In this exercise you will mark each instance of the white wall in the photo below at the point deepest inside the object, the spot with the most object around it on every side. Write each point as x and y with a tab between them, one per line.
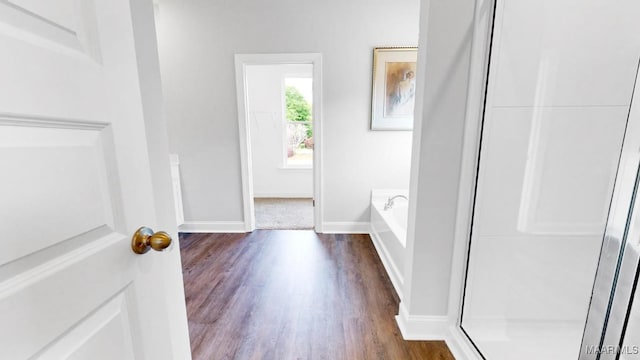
265	103
443	68
198	40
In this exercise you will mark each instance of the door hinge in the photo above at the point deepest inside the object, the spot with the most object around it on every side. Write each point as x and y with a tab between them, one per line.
313	202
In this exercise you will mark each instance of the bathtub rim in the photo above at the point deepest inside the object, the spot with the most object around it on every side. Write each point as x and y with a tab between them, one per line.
388	215
394	271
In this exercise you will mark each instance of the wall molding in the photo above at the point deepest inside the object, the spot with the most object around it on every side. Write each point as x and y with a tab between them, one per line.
212	227
422	327
417	327
345	227
397	278
460	346
39	121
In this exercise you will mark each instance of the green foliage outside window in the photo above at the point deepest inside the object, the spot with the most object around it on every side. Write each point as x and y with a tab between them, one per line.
298	108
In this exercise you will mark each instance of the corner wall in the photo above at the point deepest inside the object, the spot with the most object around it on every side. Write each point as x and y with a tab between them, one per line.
197	42
446	33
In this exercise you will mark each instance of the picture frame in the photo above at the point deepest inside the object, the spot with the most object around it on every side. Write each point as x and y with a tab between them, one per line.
393	88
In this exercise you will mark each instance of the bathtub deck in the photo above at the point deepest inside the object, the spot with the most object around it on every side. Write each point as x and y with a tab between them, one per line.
389	240
275	294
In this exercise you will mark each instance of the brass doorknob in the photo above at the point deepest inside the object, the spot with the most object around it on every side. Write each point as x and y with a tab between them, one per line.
145	239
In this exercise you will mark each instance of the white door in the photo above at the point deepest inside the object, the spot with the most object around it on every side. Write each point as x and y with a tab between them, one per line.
83	164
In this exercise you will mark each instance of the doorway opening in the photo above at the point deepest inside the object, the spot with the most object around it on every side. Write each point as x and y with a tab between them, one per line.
279	107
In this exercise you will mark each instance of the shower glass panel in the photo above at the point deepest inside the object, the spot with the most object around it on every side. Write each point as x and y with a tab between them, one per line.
560	82
630	349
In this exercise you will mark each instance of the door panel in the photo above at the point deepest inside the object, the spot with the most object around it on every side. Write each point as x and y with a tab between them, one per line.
66	24
71	159
44	302
60	13
104	334
76	184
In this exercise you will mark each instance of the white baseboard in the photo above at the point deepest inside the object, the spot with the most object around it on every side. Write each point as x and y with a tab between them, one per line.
346	227
420	327
415	327
397	279
460	347
212	227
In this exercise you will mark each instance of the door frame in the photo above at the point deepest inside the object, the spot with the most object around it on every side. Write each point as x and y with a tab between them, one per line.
457	340
241	62
615	280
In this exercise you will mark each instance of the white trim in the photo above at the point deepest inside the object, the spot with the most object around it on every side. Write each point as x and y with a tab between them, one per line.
317	141
345	227
414	327
38	121
284	153
416	152
241	61
396	276
245	148
212	227
456	339
460	346
98	239
283	196
436	328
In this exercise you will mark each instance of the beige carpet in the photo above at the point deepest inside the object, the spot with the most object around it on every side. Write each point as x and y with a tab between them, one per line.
279	213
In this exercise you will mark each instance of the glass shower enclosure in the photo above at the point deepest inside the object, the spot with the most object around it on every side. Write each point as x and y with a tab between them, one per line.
557	179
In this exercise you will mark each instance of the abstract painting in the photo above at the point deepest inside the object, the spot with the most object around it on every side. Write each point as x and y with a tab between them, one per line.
394	87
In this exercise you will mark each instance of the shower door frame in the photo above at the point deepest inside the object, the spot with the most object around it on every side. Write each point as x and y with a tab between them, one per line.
604	285
457	340
617	274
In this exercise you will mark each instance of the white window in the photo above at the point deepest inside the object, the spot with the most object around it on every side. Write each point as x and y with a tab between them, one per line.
298	106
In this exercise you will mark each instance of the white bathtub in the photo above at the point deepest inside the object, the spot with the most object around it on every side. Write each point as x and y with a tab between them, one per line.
389	233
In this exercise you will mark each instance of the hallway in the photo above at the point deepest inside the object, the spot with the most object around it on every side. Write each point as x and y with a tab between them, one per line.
275	294
284	213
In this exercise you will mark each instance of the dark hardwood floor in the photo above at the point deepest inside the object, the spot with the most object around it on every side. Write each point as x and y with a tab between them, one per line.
285	294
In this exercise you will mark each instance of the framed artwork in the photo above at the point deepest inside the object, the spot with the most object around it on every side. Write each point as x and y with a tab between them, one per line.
394	88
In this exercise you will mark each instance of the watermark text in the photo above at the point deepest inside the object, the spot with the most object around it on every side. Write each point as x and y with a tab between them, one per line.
613	349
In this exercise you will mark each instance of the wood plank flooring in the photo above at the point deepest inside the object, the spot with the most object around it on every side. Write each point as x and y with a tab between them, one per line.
286	294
